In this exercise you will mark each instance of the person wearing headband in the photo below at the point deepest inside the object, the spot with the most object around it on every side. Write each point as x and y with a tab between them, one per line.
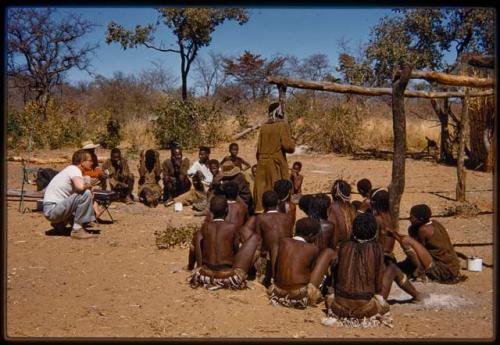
341	212
285	205
274	142
362	281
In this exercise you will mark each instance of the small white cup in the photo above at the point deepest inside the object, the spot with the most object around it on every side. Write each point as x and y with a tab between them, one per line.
178	207
474	264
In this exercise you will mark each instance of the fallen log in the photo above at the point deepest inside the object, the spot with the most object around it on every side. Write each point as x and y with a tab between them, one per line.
366	91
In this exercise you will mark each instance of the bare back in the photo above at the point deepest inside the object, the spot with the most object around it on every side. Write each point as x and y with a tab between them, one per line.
341	215
288	208
237	213
219	242
272	227
384	222
294	263
326	236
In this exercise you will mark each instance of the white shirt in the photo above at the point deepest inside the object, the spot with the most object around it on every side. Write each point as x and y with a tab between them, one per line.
197	166
61	186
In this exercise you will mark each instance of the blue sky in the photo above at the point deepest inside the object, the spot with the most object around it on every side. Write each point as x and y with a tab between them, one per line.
297	31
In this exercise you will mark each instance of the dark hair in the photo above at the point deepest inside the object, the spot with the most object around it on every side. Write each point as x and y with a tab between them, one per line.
270	199
343	187
282	188
422	212
175	147
218	206
364	186
297	163
380	201
364	227
318	207
305	203
233	145
115	150
78	157
307	227
231	190
205	149
213	161
357	204
150	159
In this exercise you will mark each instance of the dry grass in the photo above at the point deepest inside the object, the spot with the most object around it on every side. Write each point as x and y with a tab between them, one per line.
377	133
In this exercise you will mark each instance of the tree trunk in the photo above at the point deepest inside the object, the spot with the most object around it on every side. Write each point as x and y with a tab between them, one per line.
184	85
445	155
282	96
397	185
463	125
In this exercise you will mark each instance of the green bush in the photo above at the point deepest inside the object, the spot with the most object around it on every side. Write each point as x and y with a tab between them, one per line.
112	137
55	131
190	123
327	127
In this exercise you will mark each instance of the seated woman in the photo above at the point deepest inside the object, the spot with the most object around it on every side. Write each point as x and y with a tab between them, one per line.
150	191
428	248
361	280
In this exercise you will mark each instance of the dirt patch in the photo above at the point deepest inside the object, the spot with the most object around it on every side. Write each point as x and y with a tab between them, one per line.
122	285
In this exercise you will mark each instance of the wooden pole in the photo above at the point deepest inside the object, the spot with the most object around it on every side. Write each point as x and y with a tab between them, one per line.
365	91
454	80
461	174
282	96
397	185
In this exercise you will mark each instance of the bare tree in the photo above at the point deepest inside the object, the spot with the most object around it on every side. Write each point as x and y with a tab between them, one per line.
210	72
41	50
157	77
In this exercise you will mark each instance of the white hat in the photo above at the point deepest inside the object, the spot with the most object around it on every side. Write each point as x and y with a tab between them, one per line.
88	145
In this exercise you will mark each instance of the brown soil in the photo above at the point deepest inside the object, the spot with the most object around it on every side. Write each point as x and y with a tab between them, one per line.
122	285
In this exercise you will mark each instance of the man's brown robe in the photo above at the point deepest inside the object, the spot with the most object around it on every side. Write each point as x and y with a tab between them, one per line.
274	142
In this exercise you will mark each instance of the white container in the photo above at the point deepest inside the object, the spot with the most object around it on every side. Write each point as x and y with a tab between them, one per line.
178	207
474	264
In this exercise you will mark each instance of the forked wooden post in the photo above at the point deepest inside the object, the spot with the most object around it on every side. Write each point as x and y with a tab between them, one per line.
282	96
463	126
397	184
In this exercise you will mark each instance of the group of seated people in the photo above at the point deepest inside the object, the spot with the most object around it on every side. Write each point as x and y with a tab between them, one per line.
340	253
190	184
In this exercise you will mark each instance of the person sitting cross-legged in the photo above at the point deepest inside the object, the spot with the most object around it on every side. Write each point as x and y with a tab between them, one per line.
220	261
120	178
362	281
301	267
271	226
150	191
68	197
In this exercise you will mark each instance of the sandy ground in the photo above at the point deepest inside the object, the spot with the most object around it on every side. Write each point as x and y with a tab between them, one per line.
122	285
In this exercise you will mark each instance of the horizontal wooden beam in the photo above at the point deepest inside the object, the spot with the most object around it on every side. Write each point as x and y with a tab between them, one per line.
453	80
365	91
483	61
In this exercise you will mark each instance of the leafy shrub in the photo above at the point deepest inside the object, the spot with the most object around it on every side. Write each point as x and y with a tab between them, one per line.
190	123
327	127
112	137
